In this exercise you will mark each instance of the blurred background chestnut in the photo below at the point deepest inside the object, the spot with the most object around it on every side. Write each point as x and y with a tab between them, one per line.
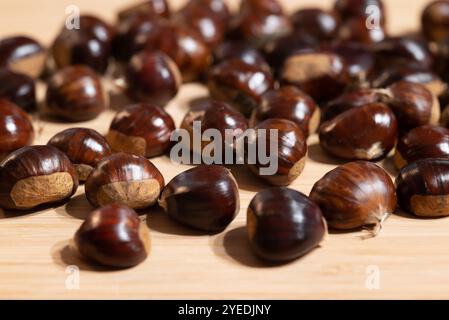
18	88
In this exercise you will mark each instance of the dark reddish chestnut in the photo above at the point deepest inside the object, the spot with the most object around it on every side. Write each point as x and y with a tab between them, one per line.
355	195
356	30
84	147
147	7
240	50
360	9
422	143
204	198
18	88
153	78
322	25
217	8
23	55
435	21
36	175
363	133
289	103
284	224
125	179
16	130
141	129
240	84
114	236
286	149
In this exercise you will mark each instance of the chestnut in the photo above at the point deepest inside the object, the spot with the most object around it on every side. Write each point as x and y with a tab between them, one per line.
205	198
84	147
355	195
217	8
36	175
152	78
422	188
240	50
421	143
356	30
141	129
434	21
284	224
363	133
322	25
75	93
16	129
312	72
18	88
147	7
125	179
240	84
23	55
348	9
288	103
290	151
113	236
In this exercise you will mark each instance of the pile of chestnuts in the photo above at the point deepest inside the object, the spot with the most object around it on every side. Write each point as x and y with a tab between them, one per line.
367	95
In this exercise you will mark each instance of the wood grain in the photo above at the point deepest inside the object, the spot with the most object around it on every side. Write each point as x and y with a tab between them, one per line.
411	255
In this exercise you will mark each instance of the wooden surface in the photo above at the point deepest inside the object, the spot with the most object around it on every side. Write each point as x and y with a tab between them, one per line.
409	259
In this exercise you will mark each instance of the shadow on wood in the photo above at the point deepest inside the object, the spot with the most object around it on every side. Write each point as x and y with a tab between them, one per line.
246	180
317	154
78	207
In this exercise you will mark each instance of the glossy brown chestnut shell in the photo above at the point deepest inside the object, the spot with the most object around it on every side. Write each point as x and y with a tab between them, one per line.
75	93
435	21
364	133
217	8
289	147
141	129
284	224
320	24
113	236
421	143
36	175
288	103
240	84
204	198
358	9
84	147
152	78
147	7
354	195
240	50
355	30
125	179
18	88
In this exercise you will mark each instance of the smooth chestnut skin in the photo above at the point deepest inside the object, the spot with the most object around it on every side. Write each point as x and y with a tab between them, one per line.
16	129
152	77
288	103
75	94
113	236
141	129
217	8
240	50
240	84
18	88
291	151
355	195
125	179
364	133
358	8
322	25
23	55
147	7
435	21
204	198
355	30
284	224
422	143
312	72
84	147
34	176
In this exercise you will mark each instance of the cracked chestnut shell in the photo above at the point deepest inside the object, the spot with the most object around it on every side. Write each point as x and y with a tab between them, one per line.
354	195
364	133
147	7
289	147
320	24
75	94
240	84
284	224
141	129
125	179
204	198
421	143
36	175
18	88
288	103
84	147
113	236
434	22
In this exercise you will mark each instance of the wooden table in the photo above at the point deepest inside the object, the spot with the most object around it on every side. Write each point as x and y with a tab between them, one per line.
410	259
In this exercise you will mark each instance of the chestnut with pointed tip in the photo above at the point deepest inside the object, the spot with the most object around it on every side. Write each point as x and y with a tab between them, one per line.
18	88
355	195
284	224
147	7
363	133
113	236
434	21
34	176
141	129
84	147
204	198
126	179
423	188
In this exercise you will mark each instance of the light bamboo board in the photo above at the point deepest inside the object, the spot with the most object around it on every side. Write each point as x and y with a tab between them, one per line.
409	259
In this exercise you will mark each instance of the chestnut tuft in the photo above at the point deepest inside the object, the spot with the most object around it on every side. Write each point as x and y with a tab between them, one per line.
18	88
